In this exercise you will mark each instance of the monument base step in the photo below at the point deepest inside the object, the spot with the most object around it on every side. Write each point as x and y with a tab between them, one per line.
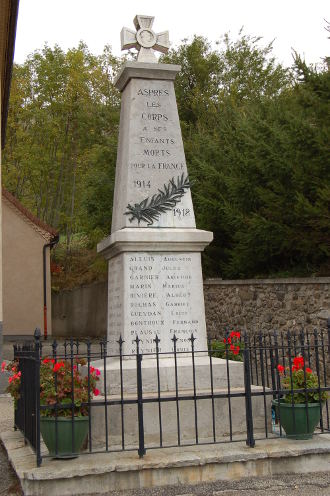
167	381
106	472
167	413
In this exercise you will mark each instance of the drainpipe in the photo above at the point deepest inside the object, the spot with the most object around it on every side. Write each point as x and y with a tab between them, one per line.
44	251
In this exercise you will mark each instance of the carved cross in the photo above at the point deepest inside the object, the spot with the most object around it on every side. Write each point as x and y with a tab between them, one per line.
145	40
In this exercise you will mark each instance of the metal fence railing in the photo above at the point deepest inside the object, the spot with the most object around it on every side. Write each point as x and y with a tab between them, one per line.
183	399
27	411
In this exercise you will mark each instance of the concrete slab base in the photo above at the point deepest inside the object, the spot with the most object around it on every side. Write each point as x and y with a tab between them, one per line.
103	473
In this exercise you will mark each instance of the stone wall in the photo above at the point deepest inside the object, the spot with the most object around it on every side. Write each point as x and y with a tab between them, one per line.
253	304
267	304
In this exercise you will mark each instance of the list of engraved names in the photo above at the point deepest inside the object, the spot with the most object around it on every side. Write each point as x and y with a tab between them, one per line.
160	300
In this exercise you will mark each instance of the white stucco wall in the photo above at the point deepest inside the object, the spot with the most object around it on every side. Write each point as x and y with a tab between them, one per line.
23	275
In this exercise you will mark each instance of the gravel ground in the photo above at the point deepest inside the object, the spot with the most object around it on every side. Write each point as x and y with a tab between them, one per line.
9	484
286	485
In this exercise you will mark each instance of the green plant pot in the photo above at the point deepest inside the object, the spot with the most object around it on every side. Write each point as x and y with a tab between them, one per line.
64	435
298	427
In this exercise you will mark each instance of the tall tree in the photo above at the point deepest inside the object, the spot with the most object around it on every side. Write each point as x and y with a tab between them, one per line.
62	105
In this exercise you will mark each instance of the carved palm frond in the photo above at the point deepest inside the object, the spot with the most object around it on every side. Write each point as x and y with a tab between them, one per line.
150	209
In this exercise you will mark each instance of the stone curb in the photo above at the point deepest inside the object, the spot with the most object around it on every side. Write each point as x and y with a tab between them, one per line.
195	464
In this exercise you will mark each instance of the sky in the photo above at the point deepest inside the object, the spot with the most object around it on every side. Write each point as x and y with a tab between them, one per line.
297	24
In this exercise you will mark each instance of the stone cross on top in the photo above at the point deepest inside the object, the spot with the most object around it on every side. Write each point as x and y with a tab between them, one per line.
145	40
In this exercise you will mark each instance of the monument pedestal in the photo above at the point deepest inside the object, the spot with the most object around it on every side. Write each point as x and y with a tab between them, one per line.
155	288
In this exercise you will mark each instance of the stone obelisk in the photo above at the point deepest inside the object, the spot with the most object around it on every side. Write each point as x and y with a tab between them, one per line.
154	250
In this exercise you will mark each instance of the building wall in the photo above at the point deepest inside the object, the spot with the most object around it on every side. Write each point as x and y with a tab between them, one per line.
23	275
252	304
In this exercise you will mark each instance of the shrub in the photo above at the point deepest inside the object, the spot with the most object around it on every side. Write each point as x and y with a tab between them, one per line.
301	377
230	347
57	382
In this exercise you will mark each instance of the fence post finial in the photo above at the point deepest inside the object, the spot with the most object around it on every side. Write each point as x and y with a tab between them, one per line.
37	333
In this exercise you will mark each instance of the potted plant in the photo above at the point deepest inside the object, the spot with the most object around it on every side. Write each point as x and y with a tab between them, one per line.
299	412
14	380
57	383
230	347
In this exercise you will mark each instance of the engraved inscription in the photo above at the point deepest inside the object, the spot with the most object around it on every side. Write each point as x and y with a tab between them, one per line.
157	157
115	304
160	301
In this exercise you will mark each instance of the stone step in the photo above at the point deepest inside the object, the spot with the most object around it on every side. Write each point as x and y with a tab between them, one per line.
106	472
169	417
167	380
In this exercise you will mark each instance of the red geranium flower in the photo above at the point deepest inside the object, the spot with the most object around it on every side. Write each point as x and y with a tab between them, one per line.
235	334
298	363
96	392
281	369
58	366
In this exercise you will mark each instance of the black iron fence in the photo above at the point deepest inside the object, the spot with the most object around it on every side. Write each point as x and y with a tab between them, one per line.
239	388
27	409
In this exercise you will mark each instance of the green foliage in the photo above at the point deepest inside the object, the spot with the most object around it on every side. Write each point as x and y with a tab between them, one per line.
297	381
64	109
298	378
219	351
230	348
81	266
257	153
68	380
14	379
256	137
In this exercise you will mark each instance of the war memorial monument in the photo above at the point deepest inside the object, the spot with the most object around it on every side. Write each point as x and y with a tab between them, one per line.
155	285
